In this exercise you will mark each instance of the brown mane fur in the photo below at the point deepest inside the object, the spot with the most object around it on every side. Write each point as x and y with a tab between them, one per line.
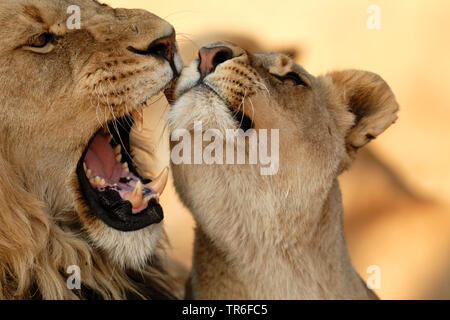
49	110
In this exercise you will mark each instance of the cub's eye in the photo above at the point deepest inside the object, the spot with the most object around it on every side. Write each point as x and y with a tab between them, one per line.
291	79
41	40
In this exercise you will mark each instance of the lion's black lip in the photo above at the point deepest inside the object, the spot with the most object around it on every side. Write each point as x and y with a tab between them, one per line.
108	206
244	121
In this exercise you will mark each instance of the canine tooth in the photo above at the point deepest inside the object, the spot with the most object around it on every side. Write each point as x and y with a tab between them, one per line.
88	173
125	167
135	197
119	158
109	138
138	119
158	184
118	149
138	188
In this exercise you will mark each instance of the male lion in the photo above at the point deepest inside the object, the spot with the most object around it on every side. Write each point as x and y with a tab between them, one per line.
70	192
277	236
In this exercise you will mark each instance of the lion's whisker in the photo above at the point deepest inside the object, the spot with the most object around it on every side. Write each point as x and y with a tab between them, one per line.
97	107
178	13
253	109
243	107
187	39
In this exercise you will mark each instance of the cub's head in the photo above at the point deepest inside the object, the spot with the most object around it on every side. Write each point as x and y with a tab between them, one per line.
75	76
314	126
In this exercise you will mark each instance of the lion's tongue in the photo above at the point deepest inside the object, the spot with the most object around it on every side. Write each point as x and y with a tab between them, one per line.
105	172
100	157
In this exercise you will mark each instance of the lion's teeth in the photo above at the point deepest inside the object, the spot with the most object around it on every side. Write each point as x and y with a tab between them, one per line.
109	138
119	158
158	184
87	171
125	167
138	119
118	149
135	197
97	181
138	188
100	181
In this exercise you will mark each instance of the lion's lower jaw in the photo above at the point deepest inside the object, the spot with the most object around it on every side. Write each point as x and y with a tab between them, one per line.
127	250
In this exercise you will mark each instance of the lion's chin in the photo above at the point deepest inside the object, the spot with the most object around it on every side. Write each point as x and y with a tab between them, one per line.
110	186
128	250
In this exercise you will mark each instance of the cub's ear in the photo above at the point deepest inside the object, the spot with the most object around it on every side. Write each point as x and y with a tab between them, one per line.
371	101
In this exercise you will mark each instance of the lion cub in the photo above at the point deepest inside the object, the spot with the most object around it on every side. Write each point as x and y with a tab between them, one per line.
271	229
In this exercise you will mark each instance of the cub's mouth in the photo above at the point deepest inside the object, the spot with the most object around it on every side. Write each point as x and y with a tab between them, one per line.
245	122
110	185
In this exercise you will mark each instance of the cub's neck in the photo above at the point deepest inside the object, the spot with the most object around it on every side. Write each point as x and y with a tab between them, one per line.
276	251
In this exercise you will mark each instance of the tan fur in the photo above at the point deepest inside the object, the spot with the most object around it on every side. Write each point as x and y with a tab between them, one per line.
281	236
51	105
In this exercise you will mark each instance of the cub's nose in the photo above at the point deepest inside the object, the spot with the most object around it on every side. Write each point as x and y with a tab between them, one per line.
210	58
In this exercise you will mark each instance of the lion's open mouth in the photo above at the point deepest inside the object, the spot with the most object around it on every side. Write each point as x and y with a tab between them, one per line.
110	184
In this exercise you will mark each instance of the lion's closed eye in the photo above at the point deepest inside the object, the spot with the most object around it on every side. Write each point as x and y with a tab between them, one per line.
292	79
41	43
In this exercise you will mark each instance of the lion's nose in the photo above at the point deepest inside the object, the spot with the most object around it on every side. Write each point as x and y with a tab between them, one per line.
210	58
164	47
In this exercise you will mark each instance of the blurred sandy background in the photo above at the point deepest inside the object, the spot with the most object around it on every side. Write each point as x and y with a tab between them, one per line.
397	197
